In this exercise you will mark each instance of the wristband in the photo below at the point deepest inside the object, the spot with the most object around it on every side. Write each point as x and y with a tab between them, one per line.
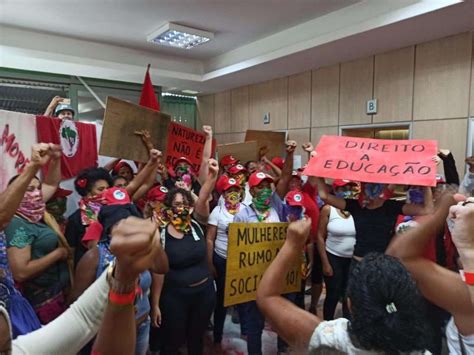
122	299
469	278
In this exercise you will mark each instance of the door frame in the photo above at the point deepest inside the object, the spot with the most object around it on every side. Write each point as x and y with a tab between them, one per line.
408	124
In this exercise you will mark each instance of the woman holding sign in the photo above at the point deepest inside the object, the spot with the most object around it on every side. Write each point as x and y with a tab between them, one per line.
374	216
217	238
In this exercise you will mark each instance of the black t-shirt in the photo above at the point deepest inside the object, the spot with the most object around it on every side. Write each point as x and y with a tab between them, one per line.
374	227
187	259
74	232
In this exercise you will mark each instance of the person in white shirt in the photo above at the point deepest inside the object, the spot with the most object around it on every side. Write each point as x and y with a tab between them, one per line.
217	238
383	300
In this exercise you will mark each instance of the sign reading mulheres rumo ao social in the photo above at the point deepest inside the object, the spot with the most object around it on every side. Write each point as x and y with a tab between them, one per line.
251	249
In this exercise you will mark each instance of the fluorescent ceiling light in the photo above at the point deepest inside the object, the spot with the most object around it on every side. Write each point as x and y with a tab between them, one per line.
174	35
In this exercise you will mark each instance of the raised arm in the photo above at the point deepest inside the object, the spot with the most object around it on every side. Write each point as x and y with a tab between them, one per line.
53	178
136	244
286	173
206	155
327	197
292	323
440	286
144	174
12	196
52	106
111	164
201	208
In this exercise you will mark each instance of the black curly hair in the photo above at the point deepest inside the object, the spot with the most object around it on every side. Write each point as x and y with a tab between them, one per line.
375	282
88	177
188	198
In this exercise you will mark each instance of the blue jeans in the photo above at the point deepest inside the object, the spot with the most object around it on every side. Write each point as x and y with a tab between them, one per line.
220	311
143	336
252	322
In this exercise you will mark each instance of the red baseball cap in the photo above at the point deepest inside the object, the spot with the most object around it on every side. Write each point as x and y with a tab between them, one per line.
278	161
237	169
116	196
225	183
157	193
340	183
258	177
120	165
294	198
182	159
228	160
61	193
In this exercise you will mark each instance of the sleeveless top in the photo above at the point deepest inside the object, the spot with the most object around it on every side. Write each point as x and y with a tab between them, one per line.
341	235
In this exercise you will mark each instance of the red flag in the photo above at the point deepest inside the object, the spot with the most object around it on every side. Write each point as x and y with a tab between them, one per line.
148	97
77	140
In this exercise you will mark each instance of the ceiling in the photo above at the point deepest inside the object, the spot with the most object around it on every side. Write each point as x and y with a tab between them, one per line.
255	40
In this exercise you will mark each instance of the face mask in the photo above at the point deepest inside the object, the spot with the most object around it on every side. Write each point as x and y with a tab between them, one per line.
293	213
182	170
232	201
240	179
160	216
32	206
415	196
180	218
344	194
372	191
90	208
262	199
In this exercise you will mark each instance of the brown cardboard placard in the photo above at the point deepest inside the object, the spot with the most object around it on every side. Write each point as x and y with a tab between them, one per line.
121	120
273	141
245	151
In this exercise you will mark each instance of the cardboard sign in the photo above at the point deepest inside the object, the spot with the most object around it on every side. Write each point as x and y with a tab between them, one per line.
407	162
184	142
17	135
244	152
251	249
121	120
273	142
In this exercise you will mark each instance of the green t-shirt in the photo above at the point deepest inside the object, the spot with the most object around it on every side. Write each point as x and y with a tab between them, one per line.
43	240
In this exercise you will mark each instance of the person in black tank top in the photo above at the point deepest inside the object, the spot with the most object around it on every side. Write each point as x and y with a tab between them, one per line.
184	298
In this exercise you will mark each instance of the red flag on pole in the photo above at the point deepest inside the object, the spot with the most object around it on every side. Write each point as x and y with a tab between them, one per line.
148	97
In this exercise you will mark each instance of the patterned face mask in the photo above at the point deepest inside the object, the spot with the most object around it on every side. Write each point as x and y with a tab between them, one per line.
180	218
182	170
32	207
160	215
372	191
232	201
262	199
344	194
90	208
293	213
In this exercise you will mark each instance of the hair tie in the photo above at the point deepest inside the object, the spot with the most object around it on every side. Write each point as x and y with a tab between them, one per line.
391	308
82	182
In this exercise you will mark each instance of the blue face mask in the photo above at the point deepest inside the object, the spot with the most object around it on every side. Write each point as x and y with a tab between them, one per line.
416	196
372	191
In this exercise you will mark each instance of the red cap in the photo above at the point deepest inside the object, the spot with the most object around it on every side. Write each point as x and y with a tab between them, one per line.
120	165
61	193
158	193
237	169
228	160
225	183
278	161
116	196
257	177
294	198
340	183
182	159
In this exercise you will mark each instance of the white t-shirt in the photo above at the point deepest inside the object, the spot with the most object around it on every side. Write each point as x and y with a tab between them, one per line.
341	235
452	337
332	337
221	218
